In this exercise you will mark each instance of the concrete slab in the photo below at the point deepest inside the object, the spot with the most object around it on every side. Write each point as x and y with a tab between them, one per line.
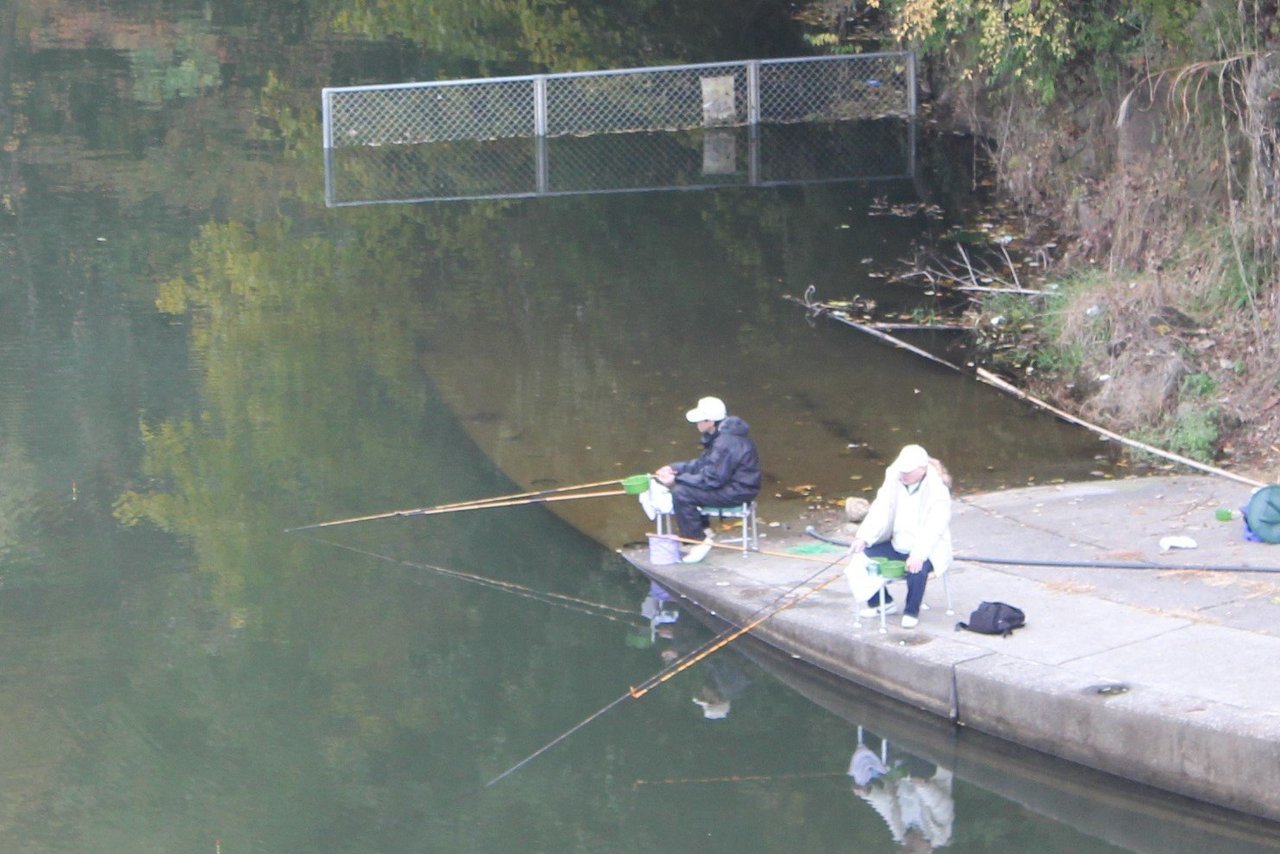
1058	617
1155	675
1211	662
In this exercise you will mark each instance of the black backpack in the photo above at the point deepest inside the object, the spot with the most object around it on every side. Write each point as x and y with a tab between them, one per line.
994	618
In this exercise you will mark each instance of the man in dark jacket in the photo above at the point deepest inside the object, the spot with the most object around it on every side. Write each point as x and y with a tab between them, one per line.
727	472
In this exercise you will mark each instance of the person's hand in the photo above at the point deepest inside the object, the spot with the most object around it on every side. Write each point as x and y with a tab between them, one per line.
665	475
856	546
915	564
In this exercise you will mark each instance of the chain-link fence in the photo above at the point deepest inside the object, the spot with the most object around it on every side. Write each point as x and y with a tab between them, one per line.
677	97
760	156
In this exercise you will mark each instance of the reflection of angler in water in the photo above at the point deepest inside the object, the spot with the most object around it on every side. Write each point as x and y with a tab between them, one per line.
659	609
913	796
726	680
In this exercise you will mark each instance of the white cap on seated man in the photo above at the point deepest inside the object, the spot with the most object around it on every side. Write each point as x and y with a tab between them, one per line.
726	473
708	409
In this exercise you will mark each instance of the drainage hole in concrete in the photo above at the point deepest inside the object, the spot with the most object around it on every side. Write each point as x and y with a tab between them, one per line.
1109	690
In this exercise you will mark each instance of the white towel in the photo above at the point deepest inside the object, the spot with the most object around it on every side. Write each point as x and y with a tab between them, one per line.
656	499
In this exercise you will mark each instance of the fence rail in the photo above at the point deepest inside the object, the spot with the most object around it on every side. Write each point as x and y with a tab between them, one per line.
663	98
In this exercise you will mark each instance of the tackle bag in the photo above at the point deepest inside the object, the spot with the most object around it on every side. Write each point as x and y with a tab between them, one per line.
994	618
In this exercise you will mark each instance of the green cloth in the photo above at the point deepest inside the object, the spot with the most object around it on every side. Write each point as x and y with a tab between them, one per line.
815	549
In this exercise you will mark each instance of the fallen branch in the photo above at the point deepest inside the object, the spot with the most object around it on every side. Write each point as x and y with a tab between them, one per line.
991	379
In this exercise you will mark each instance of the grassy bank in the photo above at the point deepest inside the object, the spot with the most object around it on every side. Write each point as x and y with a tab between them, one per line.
1144	140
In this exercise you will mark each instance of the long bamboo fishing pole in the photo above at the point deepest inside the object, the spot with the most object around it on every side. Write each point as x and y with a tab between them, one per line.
740	778
667	673
531	494
1081	564
547	597
479	504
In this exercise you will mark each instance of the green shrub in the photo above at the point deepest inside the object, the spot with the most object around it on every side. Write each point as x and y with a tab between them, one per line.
1193	431
1198	385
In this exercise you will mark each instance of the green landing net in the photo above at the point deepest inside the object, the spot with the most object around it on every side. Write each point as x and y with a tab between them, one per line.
635	484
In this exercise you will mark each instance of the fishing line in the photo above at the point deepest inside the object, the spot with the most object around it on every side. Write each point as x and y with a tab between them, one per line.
739	778
667	673
1080	564
571	603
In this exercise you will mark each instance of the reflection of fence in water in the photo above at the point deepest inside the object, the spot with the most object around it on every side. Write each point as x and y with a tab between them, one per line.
678	97
682	160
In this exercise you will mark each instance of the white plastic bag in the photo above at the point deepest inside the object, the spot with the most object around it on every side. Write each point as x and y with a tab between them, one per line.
656	499
1167	543
863	583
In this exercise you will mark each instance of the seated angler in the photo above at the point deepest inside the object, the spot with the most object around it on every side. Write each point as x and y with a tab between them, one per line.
910	521
727	473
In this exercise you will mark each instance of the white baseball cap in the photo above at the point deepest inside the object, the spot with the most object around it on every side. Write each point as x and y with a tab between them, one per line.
708	409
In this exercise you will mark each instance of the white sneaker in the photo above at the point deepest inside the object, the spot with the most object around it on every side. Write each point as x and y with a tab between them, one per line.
698	552
909	622
874	610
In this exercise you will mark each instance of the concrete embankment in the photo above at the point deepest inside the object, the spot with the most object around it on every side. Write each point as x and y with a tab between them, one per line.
1160	675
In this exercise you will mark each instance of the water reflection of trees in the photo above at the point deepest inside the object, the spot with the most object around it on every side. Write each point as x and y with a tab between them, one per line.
229	682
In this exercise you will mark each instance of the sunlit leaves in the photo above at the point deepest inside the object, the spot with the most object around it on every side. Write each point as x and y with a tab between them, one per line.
550	33
1027	40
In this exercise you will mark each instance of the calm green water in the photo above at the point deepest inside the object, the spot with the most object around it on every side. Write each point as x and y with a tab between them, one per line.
195	354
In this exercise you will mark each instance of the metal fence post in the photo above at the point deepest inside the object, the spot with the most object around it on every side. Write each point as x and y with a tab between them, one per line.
753	92
911	83
911	148
540	164
326	109
540	105
328	173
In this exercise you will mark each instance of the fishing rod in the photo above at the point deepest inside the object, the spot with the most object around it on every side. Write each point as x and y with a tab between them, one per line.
718	642
1079	564
571	603
633	485
738	548
740	778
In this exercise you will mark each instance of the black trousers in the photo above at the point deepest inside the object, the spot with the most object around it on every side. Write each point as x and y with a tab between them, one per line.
686	500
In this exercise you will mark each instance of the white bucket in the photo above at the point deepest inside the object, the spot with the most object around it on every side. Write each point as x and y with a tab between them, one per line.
663	550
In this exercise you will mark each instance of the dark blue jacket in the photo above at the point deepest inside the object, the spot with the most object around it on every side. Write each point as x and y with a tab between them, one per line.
729	463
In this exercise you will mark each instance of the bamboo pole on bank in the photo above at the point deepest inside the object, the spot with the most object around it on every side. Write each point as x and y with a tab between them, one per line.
994	381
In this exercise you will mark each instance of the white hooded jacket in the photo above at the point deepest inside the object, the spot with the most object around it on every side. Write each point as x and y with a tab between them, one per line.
916	519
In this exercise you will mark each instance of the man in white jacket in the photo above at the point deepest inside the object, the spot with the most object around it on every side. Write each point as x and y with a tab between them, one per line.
910	521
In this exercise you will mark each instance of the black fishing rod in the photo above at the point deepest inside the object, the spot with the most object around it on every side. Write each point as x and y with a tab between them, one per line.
1080	564
716	643
571	603
740	778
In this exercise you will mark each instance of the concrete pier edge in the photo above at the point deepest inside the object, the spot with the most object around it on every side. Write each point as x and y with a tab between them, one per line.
1161	678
